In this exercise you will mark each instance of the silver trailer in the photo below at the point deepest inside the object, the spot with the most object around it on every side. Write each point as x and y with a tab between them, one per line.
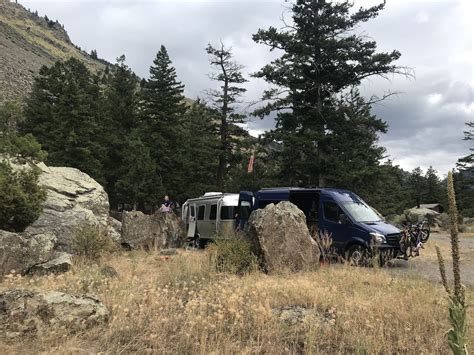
209	216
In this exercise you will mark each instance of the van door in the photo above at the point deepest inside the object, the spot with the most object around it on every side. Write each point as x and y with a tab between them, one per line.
244	208
191	219
332	224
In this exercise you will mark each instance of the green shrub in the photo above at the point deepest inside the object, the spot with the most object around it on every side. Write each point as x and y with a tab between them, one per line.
20	197
232	255
92	243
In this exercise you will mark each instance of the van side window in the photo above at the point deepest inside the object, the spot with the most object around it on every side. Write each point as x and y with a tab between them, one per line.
213	213
201	212
331	211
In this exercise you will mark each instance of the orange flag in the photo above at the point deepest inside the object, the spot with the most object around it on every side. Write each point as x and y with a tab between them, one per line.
251	161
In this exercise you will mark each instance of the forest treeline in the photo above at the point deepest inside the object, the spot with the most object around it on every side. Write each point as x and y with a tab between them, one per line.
142	138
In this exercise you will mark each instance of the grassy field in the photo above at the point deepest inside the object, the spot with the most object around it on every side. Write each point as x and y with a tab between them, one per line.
180	305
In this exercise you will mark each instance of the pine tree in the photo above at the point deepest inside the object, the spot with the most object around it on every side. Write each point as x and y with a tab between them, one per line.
120	118
467	162
352	143
62	112
137	181
434	190
162	109
10	115
322	57
465	177
229	74
202	143
417	186
21	197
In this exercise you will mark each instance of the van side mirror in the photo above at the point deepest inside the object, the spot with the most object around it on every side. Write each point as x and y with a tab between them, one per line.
343	218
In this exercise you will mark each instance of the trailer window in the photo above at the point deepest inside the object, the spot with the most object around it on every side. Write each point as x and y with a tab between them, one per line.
201	212
227	212
213	212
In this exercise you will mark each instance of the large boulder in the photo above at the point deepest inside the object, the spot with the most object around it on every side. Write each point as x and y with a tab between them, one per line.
26	313
21	252
74	200
281	238
60	262
414	215
156	231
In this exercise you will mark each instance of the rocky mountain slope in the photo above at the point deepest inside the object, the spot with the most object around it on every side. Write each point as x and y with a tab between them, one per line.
27	42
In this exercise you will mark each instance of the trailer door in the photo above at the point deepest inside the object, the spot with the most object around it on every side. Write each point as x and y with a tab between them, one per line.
244	208
191	220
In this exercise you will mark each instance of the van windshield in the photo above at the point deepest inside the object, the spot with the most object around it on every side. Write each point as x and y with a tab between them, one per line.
361	212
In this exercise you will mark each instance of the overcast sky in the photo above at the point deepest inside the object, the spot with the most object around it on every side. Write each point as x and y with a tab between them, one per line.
435	38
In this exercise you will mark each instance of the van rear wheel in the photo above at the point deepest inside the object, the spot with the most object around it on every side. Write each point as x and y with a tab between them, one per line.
357	255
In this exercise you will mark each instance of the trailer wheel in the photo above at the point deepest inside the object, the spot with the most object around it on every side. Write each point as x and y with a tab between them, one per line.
199	243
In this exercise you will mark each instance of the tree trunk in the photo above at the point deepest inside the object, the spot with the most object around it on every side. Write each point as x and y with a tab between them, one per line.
221	172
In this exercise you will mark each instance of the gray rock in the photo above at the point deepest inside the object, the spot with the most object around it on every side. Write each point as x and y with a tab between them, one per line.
114	229
157	231
20	252
109	271
414	215
74	200
294	315
26	313
168	252
281	238
61	262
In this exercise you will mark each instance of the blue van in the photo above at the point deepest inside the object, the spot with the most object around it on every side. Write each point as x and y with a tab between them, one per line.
352	223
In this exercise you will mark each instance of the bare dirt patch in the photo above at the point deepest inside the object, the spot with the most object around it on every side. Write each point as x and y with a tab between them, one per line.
426	265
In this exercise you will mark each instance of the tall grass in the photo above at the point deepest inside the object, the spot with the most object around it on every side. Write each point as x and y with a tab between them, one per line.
183	305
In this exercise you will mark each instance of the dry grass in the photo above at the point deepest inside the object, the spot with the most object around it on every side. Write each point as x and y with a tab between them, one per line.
182	306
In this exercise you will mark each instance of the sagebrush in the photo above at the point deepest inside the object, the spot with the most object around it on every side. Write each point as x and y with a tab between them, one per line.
92	243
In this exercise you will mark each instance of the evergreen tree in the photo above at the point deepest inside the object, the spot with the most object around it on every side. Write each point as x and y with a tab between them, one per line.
352	142
94	54
434	189
119	120
137	180
10	115
228	74
21	197
417	186
163	108
322	57
62	112
467	162
387	190
464	179
202	143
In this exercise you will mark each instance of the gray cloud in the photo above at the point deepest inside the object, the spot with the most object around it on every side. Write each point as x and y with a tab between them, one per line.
435	38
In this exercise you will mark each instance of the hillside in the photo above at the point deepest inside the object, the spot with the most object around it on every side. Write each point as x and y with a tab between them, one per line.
27	42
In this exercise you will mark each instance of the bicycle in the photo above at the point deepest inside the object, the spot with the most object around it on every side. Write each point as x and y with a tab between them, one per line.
413	237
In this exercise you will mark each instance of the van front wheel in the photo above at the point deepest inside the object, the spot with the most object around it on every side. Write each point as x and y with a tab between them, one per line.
357	255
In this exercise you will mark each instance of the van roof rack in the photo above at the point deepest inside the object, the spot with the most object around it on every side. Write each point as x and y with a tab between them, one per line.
212	193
